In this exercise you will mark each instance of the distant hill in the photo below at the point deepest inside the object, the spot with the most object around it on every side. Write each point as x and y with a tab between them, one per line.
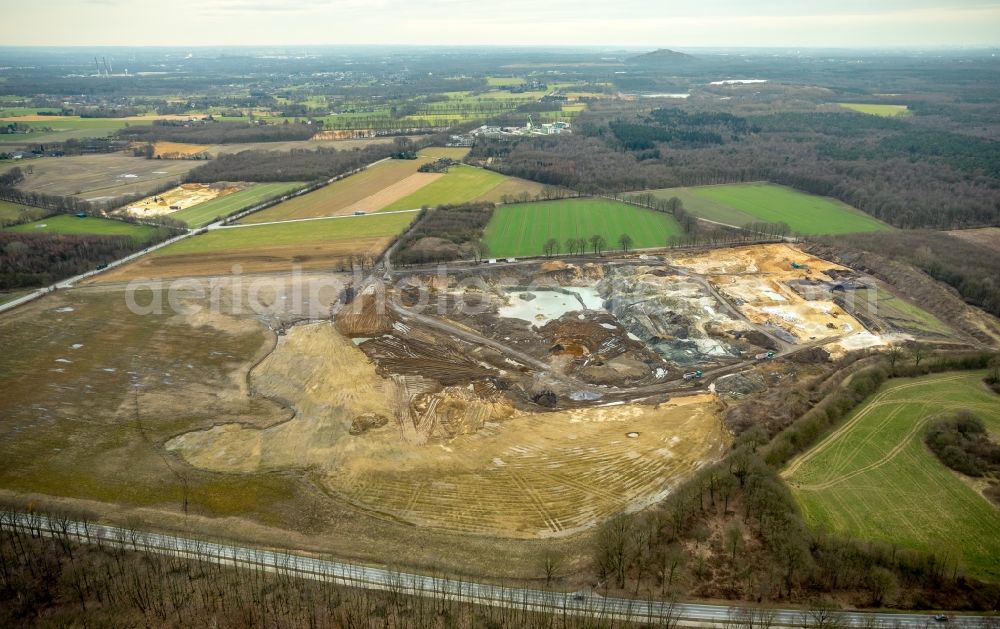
663	55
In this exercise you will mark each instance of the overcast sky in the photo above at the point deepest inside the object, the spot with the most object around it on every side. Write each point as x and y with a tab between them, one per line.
645	23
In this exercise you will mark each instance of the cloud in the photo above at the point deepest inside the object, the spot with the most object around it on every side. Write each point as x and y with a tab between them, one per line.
707	23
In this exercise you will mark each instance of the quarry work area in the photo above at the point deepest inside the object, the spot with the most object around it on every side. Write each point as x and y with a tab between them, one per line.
180	198
531	399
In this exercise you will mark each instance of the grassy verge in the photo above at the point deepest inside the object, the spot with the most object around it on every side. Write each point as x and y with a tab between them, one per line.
10	212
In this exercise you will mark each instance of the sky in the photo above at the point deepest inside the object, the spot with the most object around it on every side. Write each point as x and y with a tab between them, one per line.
632	23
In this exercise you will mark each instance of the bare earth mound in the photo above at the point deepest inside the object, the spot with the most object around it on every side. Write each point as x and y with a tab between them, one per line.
454	460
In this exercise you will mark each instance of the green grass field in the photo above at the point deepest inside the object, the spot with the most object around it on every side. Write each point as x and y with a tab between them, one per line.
878	110
204	213
523	229
460	185
294	233
739	204
501	81
875	479
69	224
16	211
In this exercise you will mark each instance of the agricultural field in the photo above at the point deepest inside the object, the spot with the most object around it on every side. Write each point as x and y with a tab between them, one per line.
368	191
878	110
523	229
61	128
102	176
503	81
204	213
875	479
311	244
69	409
515	188
10	212
739	204
460	184
70	224
457	153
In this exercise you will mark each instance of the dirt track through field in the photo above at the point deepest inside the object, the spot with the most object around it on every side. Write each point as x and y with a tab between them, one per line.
833	437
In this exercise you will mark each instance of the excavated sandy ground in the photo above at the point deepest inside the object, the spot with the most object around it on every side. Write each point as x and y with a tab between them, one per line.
755	280
177	150
179	198
774	260
458	463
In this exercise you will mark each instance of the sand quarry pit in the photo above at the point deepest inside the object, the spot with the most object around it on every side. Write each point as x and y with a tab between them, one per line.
455	458
180	198
757	280
178	150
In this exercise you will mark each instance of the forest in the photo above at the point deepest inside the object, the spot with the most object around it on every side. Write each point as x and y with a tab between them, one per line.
962	443
294	165
29	260
56	581
445	233
215	132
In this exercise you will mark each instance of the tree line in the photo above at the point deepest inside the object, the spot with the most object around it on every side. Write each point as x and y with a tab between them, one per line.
294	165
30	260
216	132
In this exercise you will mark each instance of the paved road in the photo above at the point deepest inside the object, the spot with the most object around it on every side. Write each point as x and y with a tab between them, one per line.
367	577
